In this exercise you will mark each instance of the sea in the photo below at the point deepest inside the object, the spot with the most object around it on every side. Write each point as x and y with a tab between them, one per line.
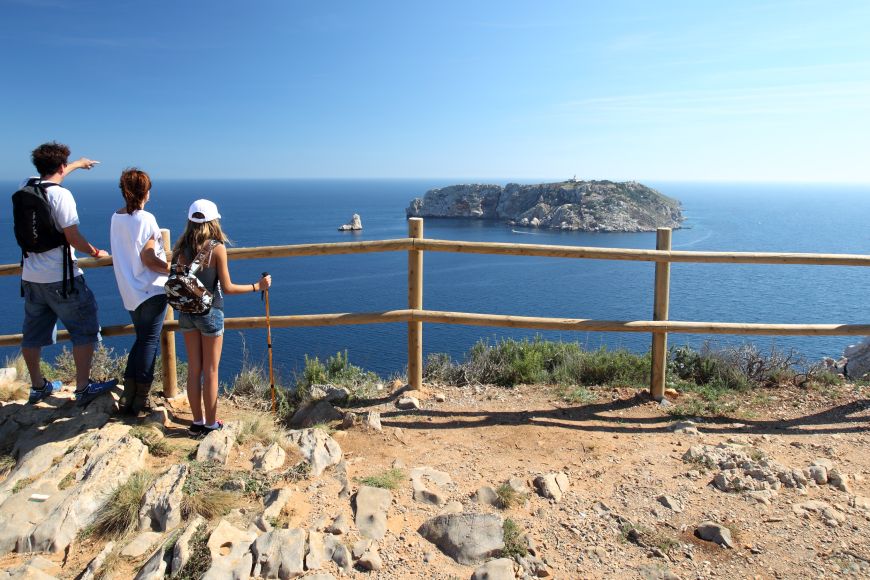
766	217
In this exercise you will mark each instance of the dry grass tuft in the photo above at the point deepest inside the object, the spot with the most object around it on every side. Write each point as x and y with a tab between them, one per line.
120	513
14	392
210	505
262	428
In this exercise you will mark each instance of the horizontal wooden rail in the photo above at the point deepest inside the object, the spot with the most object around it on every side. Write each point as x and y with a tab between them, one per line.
497	248
505	321
550	251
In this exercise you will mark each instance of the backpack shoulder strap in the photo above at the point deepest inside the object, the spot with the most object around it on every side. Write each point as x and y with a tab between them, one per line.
204	256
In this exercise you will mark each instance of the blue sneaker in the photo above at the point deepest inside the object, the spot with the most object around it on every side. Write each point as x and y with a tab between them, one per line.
93	390
47	389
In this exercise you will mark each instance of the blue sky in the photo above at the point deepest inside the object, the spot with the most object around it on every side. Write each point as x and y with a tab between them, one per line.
695	90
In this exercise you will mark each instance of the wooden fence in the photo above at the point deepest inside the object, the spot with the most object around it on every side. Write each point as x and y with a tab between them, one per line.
414	315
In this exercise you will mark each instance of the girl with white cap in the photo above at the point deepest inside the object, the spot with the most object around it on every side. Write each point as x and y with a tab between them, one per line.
203	333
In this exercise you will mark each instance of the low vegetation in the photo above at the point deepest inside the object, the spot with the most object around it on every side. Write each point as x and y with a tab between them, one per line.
510	362
202	493
389	479
7	464
200	557
508	497
153	439
120	514
513	540
338	371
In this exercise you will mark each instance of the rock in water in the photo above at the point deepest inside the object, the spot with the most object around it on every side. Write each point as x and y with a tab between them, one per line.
594	206
354	224
467	538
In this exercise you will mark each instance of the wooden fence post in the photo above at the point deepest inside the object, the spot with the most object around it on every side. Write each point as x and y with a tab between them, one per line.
415	302
660	312
167	342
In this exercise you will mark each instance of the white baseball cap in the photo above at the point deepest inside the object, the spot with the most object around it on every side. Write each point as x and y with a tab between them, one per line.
205	208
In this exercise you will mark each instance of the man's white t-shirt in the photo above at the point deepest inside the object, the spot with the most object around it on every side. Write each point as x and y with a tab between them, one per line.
129	234
46	267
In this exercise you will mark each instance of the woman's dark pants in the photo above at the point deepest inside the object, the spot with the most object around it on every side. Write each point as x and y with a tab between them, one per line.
148	322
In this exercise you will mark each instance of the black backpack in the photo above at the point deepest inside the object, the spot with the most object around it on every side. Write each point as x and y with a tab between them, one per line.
34	226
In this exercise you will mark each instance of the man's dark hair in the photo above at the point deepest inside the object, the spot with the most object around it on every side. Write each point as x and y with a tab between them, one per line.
49	157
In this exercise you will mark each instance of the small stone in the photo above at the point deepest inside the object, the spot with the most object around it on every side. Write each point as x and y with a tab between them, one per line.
498	569
670	503
339	525
408	403
819	474
713	532
373	421
440	397
371	560
485	495
838	481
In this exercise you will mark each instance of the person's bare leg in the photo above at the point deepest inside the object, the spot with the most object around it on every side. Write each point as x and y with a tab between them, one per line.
193	345
83	355
211	359
31	359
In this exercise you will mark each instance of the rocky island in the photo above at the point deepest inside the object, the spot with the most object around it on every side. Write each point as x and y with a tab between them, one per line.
591	206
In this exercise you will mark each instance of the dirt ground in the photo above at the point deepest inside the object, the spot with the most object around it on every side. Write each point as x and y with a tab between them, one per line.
620	454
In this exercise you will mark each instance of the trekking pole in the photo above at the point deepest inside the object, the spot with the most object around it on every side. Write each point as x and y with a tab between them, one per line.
264	295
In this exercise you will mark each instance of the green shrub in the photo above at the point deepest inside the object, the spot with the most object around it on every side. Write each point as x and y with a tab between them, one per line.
338	371
513	540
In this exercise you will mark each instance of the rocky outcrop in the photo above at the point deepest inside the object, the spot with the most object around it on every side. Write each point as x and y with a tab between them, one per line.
592	206
468	538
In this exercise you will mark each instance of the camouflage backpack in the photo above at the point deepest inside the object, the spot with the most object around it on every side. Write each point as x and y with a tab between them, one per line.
184	291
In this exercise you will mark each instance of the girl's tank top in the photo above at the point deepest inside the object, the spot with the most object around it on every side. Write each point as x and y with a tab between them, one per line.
207	274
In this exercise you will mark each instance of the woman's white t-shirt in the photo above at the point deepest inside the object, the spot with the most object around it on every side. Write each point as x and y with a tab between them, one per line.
129	234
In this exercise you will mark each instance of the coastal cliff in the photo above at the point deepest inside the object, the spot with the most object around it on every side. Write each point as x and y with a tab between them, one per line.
592	206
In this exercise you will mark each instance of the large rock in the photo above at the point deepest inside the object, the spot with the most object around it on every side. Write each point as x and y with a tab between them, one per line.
161	506
314	413
569	205
231	557
279	554
182	550
468	538
155	567
857	359
217	445
317	447
97	478
272	457
94	565
372	504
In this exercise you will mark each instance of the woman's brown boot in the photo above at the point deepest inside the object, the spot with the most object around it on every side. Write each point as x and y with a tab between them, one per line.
141	402
125	403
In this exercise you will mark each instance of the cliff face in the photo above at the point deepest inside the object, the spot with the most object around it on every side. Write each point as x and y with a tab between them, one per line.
593	206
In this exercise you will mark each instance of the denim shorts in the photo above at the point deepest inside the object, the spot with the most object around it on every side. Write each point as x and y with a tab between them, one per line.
210	324
44	304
